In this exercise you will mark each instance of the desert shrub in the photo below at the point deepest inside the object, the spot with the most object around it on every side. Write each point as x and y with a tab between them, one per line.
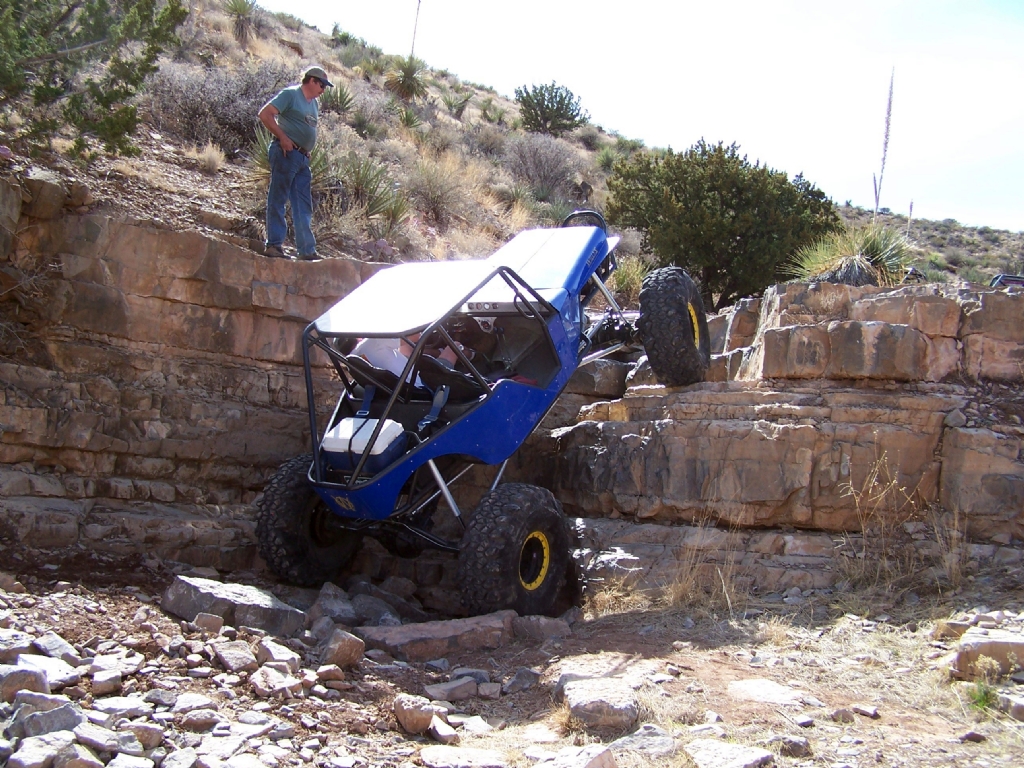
201	105
437	187
552	109
546	164
490	112
487	140
290	22
589	136
405	79
626	146
707	210
628	277
365	125
338	99
440	139
973	275
872	255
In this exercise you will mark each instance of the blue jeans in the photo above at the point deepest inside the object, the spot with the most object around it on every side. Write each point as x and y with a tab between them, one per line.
290	181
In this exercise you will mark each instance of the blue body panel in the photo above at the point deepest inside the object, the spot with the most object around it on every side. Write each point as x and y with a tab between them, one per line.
493	430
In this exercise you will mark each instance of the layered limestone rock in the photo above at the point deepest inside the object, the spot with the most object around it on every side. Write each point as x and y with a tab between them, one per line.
162	384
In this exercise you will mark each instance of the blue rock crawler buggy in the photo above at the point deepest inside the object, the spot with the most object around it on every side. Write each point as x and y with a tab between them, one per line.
396	442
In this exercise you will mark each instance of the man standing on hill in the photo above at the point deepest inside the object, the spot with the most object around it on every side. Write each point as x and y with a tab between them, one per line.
291	117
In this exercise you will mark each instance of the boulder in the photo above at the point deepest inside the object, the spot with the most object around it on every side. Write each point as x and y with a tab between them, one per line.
238	604
47	191
433	639
602	702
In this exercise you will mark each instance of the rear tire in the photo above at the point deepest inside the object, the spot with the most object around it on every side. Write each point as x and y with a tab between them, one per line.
292	533
674	327
515	552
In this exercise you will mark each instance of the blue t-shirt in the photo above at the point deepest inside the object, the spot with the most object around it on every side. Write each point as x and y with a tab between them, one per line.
296	116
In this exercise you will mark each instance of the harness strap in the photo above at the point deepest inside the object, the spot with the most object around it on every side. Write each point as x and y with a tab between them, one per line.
440	399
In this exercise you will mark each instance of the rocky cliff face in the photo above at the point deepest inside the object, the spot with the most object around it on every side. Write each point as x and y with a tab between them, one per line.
157	382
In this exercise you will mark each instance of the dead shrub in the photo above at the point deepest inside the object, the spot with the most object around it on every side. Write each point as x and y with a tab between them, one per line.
548	165
210	158
440	190
212	105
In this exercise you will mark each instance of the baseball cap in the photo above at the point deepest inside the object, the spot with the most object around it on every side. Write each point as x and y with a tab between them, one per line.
319	74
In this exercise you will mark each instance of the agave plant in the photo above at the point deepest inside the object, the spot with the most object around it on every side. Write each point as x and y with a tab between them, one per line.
871	255
455	103
405	79
320	166
337	99
243	13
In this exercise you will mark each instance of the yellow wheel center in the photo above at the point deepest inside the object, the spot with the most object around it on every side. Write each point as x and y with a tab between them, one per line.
693	324
534	560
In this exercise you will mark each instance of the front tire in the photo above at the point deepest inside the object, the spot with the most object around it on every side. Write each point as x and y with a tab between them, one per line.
292	531
515	552
674	327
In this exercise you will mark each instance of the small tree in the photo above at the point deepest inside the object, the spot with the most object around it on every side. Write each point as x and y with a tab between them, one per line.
731	224
550	109
47	45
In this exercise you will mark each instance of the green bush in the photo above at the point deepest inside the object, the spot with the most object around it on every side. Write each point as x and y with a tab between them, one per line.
590	137
81	64
871	255
552	109
730	224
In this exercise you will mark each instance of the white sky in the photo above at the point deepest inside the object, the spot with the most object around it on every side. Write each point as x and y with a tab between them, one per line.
800	85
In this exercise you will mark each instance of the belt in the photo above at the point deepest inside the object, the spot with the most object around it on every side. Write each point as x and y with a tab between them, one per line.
300	150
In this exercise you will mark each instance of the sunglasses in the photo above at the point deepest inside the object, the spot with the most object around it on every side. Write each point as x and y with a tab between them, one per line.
321	83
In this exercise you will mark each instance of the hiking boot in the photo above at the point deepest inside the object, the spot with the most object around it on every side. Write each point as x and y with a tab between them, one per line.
274	251
314	256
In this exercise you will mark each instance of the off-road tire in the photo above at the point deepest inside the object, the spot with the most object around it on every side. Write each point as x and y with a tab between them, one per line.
515	552
290	531
674	327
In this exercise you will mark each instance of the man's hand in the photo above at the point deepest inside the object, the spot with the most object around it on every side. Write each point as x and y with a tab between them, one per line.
268	116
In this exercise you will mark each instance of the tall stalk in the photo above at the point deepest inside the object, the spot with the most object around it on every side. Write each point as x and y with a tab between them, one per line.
885	146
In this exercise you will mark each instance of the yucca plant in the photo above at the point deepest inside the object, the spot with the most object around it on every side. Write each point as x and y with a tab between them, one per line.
367	183
407	116
337	99
405	79
390	218
606	158
871	255
490	112
243	15
320	166
455	103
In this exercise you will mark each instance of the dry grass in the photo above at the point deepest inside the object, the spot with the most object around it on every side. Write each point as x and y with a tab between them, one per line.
210	158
